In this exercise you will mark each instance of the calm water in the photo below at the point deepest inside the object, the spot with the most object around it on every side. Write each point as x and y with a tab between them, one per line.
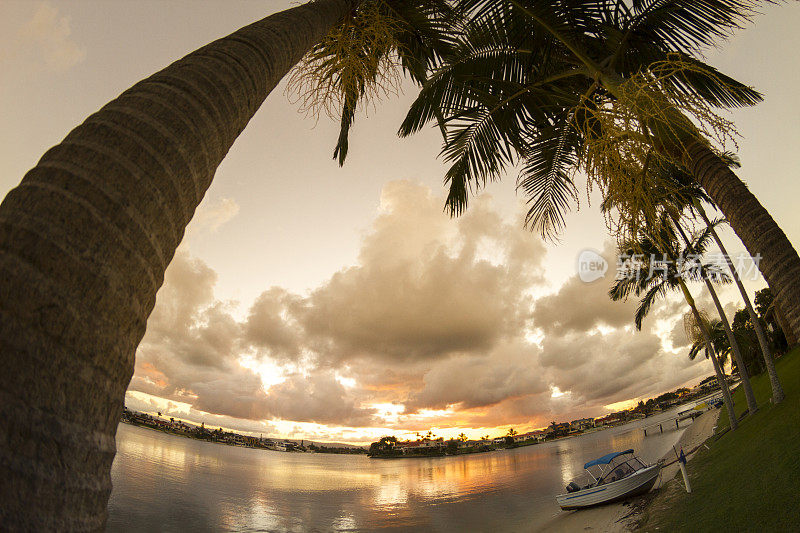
167	483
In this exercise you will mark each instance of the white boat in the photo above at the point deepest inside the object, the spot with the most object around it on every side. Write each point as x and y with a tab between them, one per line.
616	476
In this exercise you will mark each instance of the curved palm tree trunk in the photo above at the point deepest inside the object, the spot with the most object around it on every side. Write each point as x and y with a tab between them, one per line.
84	242
752	405
766	352
779	264
712	354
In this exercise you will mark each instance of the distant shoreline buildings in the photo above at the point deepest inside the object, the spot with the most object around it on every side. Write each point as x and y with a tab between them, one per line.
231	438
429	445
390	447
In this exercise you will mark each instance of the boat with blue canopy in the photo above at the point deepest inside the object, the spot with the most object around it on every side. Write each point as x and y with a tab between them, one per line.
614	477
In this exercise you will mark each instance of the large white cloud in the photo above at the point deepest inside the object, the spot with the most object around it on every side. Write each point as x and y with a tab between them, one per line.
432	326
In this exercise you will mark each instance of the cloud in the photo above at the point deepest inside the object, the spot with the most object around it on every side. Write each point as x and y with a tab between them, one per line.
598	368
272	326
482	381
579	307
432	326
212	214
48	34
318	397
426	288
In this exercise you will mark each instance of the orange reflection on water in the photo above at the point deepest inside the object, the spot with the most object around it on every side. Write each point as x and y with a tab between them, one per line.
167	482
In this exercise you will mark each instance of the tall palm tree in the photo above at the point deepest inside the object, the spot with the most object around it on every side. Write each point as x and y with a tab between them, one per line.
597	85
777	390
660	241
732	342
666	193
678	194
86	236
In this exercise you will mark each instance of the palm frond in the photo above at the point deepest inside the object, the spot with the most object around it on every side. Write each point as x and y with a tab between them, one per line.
658	290
695	350
478	148
546	177
689	26
704	81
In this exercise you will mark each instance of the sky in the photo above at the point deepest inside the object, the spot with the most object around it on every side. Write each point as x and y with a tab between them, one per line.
342	304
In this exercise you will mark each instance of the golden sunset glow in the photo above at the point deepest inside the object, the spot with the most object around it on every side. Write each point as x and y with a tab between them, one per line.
309	301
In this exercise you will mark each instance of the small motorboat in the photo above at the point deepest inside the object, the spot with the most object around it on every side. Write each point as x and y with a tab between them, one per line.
616	476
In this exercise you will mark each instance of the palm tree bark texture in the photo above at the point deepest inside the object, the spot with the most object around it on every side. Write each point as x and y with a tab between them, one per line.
84	242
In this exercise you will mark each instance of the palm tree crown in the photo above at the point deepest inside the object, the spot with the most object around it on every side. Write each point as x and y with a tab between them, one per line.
521	84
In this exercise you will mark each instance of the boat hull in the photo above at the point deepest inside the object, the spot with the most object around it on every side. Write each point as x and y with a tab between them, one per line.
637	483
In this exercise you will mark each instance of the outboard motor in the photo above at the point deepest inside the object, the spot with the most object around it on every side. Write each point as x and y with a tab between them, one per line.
573	487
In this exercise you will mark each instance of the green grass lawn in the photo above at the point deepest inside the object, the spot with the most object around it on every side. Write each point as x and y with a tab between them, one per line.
749	479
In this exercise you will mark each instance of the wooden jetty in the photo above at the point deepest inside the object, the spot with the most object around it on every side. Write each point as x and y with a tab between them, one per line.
677	419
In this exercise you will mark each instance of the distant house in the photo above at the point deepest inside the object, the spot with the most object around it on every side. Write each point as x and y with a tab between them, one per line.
581	424
531	436
251	441
560	430
411	446
275	445
609	420
160	423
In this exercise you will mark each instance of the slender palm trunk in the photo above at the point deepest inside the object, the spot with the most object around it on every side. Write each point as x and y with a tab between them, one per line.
84	242
766	352
726	392
779	264
712	354
752	405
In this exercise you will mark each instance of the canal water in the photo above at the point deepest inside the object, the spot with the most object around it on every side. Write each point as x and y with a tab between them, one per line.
168	483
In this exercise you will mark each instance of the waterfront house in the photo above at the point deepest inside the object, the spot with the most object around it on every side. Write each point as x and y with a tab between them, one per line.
412	446
581	424
560	430
609	420
537	436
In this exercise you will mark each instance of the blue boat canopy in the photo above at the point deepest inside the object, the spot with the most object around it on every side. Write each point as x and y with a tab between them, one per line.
606	458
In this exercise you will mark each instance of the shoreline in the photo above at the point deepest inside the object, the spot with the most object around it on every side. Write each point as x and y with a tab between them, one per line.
623	516
361	451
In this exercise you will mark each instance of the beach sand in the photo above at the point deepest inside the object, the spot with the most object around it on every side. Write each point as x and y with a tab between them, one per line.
620	517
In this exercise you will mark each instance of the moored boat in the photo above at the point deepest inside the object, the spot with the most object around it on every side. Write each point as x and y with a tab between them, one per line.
615	476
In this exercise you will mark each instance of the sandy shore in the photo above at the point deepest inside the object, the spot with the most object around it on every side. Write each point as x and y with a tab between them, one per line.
619	517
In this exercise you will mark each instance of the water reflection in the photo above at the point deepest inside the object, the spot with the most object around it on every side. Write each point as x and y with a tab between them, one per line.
167	483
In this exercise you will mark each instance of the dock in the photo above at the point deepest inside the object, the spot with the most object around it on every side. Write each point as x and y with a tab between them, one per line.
676	419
